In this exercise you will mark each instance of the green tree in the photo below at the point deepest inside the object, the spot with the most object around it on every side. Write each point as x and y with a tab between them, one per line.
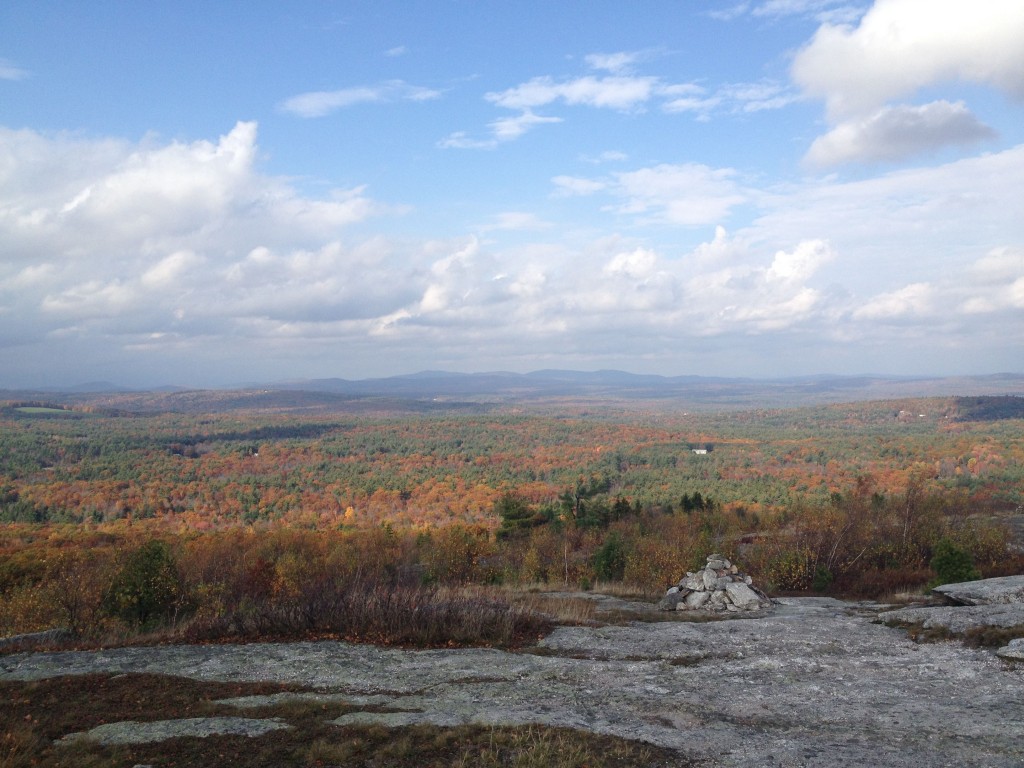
516	515
148	589
952	564
609	559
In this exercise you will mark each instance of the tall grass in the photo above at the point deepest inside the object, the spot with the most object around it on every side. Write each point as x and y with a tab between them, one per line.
386	613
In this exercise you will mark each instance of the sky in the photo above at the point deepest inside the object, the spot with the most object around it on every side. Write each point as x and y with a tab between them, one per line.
210	194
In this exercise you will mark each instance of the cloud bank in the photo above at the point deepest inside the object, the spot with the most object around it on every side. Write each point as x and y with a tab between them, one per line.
168	257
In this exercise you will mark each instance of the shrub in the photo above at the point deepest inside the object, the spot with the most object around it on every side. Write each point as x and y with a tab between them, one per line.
609	560
792	570
147	590
822	579
952	564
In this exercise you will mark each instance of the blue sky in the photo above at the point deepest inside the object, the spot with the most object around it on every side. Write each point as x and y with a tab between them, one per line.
212	193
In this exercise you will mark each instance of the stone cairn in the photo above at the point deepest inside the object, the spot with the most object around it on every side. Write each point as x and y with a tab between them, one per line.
719	586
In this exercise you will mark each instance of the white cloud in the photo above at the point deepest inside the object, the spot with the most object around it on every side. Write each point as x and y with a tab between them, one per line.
502	130
320	103
8	71
517	220
462	140
1001	266
619	92
832	10
687	194
915	300
756	97
613	62
728	14
608	156
184	257
636	264
509	128
896	133
901	46
689	98
730	97
801	263
398	50
168	271
145	239
570	185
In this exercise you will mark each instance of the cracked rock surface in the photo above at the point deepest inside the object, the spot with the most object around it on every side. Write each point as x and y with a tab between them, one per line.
816	683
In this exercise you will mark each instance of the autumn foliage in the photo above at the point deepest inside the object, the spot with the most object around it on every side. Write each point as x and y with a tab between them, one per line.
240	526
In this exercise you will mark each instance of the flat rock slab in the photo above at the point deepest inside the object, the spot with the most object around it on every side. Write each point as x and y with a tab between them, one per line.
1003	589
959	618
815	683
133	732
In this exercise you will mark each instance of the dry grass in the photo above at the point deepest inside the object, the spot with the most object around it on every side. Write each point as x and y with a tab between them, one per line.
385	614
976	637
571	611
40	712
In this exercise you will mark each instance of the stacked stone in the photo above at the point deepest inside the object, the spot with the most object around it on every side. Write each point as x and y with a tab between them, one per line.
719	586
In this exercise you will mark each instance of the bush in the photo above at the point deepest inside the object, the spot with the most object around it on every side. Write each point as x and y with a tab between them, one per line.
952	564
610	559
822	579
147	590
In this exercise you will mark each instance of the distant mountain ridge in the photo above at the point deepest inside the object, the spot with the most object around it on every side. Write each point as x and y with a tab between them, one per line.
554	382
428	391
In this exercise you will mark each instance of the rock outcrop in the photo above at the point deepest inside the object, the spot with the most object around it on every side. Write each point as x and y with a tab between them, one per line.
958	619
997	602
1002	589
719	586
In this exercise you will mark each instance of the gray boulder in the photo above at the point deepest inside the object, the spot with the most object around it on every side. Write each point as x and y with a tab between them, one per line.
1003	589
671	600
696	600
1014	650
742	596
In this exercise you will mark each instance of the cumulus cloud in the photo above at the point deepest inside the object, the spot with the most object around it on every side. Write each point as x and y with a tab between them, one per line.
896	133
172	256
901	46
321	103
152	238
915	300
898	49
995	283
